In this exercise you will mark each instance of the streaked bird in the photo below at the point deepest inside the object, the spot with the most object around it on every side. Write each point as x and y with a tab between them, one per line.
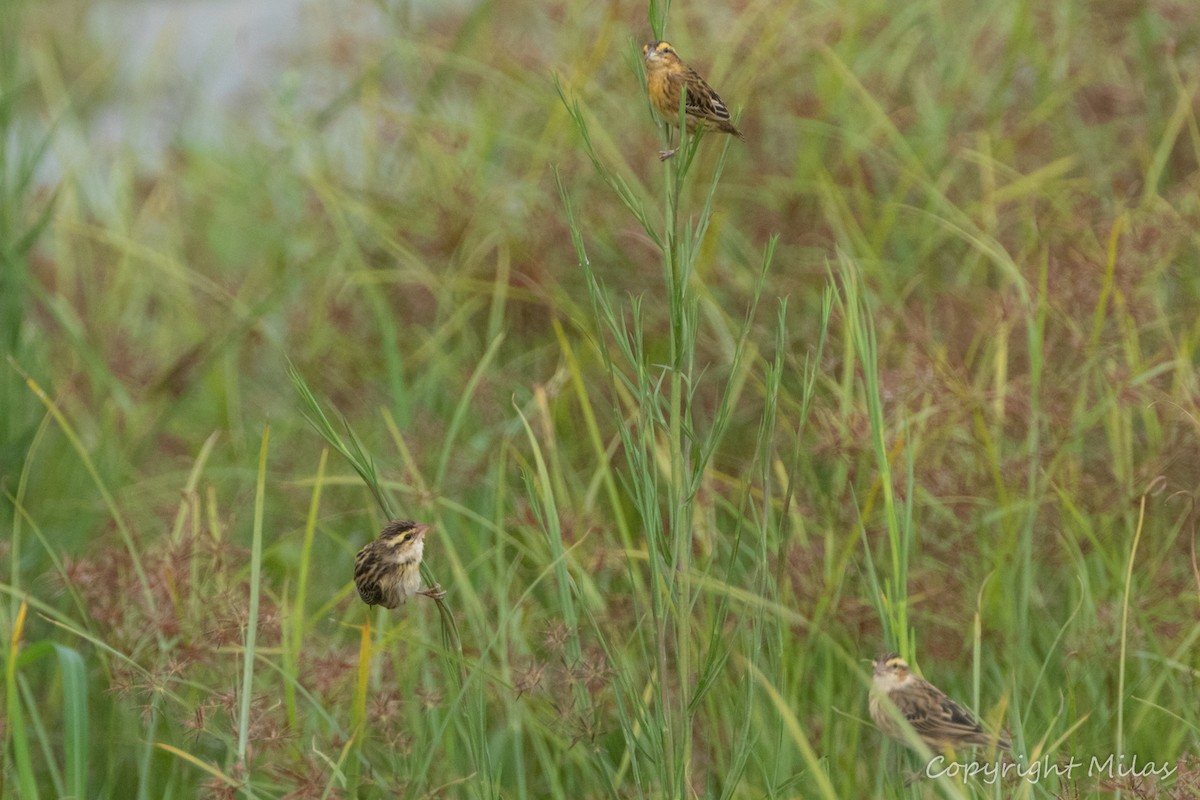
388	570
669	81
940	722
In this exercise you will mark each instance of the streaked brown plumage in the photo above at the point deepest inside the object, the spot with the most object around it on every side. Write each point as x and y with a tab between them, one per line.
668	80
388	570
940	722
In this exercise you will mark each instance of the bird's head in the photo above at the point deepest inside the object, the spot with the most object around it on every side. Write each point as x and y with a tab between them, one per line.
659	53
891	671
403	536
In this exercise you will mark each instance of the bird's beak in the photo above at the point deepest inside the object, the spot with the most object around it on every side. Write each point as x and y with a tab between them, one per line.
421	530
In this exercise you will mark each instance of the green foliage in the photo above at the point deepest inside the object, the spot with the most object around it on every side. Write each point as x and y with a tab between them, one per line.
913	367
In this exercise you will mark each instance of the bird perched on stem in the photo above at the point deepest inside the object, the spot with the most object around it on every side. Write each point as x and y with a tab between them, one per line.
940	722
388	570
670	81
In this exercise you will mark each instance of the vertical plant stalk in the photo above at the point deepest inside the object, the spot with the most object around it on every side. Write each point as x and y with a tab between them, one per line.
1035	333
21	219
681	244
1137	537
666	457
298	624
540	490
15	729
358	713
248	651
679	534
892	596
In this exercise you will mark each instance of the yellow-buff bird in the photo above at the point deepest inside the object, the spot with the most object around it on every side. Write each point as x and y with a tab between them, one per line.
388	570
940	722
669	80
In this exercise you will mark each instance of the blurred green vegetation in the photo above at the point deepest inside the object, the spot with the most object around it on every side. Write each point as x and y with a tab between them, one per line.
914	366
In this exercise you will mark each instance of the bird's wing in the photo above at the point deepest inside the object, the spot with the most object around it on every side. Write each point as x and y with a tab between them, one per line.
954	717
368	587
937	720
701	100
370	592
916	712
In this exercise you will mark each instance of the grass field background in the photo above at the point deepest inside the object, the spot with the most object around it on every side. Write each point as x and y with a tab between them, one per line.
913	367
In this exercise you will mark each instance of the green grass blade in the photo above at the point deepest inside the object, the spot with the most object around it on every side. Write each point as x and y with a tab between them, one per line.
251	635
76	740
